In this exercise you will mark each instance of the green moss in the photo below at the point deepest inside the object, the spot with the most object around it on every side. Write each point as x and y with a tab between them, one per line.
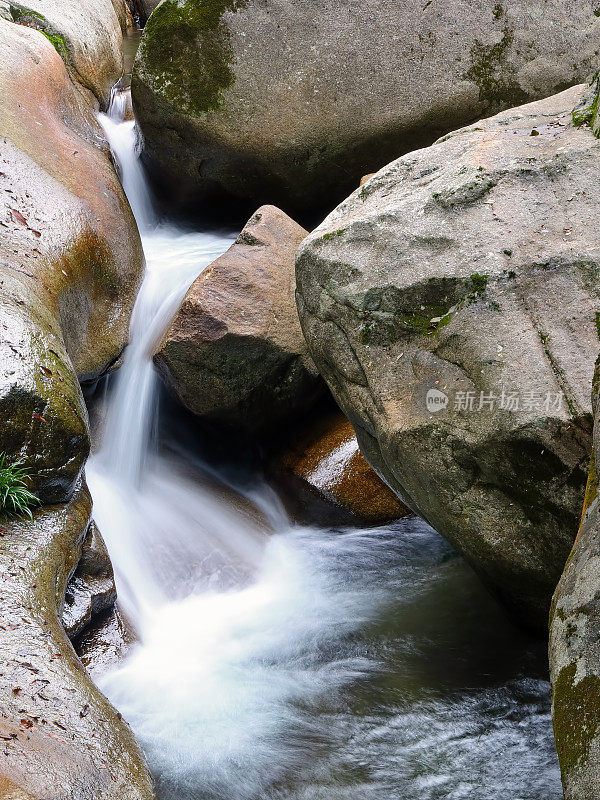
19	13
479	282
576	716
58	42
486	71
186	52
558	372
333	234
586	111
389	314
32	19
383	331
591	489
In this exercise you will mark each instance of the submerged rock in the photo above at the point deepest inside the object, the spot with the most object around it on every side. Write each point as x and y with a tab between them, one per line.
70	261
574	646
235	353
87	36
326	463
59	732
451	304
291	102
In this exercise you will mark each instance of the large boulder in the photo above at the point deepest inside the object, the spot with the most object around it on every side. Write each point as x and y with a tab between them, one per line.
575	646
451	304
87	35
70	260
235	353
291	102
60	736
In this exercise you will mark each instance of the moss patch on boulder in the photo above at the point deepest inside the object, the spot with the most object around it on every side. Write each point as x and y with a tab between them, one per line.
188	49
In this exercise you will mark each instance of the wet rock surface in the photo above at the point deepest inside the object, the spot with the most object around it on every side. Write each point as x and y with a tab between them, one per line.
105	643
57	731
291	102
467	273
325	464
70	264
91	589
235	353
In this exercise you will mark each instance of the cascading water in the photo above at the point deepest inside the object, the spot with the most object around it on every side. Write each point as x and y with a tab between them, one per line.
275	665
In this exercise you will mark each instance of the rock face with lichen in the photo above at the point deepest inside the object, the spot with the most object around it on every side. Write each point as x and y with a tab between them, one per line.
235	353
291	102
451	304
574	647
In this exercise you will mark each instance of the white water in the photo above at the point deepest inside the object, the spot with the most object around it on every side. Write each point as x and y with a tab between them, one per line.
229	620
252	643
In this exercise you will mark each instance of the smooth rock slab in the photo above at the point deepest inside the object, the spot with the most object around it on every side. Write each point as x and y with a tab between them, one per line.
290	102
472	268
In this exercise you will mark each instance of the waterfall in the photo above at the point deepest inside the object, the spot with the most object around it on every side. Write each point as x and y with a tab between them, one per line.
158	526
252	629
230	622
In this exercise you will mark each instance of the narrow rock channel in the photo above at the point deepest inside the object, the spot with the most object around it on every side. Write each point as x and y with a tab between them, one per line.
279	660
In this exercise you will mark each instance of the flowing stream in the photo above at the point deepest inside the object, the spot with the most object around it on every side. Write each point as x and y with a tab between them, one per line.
283	662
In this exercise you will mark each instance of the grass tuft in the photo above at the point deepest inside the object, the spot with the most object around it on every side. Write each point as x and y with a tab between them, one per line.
15	497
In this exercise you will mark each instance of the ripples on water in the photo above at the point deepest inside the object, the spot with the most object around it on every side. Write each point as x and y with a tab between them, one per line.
363	664
296	664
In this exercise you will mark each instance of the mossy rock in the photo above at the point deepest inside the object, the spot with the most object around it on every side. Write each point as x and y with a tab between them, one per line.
292	102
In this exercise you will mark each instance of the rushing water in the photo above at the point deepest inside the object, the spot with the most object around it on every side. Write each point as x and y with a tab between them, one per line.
292	663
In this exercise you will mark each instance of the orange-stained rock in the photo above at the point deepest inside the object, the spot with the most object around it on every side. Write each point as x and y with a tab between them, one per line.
70	263
328	459
365	178
67	229
86	33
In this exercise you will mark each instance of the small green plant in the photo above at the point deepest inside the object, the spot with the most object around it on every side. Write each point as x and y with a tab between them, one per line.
15	497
